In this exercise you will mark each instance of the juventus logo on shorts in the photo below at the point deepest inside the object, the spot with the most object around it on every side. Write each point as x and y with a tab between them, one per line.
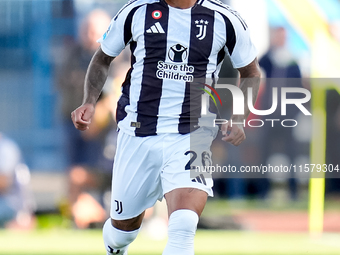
119	206
113	251
202	25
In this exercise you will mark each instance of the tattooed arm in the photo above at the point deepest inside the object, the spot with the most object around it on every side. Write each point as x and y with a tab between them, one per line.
96	76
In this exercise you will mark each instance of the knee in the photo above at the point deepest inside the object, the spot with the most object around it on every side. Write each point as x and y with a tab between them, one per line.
183	223
181	232
116	240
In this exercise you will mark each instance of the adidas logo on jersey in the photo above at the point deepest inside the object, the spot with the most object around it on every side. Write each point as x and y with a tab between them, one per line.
156	29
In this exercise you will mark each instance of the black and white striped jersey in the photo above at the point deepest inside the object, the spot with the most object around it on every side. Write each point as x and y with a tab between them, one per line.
171	50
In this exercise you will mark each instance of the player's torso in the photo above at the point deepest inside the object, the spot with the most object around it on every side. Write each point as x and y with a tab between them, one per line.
171	48
184	41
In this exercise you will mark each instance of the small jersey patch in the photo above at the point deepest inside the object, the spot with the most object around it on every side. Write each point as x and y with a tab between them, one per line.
135	124
157	14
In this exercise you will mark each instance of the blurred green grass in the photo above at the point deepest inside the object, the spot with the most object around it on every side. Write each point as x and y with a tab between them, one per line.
86	242
54	236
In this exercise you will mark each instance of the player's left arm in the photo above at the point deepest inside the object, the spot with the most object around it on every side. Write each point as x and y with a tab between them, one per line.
250	78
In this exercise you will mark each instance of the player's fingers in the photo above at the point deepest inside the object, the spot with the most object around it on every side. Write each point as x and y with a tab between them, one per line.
87	115
82	127
224	129
239	140
79	123
236	137
229	137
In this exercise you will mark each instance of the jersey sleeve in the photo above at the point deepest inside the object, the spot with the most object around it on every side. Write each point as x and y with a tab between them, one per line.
239	45
118	34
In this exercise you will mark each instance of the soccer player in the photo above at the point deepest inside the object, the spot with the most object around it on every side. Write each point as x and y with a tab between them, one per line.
177	46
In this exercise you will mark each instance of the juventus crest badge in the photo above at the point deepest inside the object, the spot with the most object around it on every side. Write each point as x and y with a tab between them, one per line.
202	25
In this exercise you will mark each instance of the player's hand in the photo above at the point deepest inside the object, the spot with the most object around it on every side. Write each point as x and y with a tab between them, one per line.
233	134
82	116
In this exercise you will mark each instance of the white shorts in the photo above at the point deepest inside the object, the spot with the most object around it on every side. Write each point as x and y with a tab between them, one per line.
146	168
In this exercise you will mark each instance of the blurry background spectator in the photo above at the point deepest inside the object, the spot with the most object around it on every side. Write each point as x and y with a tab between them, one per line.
89	167
278	61
16	204
82	147
280	70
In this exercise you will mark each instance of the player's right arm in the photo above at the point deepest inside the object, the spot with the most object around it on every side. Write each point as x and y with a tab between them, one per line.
117	37
96	76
